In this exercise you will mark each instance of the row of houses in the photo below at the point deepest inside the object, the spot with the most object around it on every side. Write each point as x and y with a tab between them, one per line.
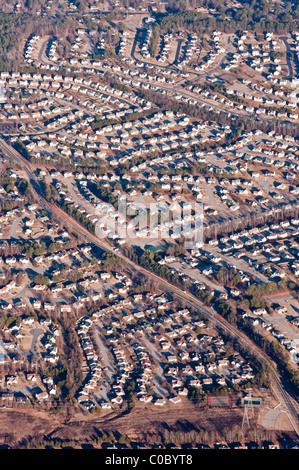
93	365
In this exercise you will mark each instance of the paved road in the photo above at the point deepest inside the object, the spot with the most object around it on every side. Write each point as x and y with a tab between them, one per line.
159	374
290	402
196	274
41	52
14	227
36	333
193	75
288	57
106	362
177	54
79	199
240	265
178	49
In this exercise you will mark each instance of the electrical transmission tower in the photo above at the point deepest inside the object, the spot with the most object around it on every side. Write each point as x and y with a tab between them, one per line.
245	421
248	411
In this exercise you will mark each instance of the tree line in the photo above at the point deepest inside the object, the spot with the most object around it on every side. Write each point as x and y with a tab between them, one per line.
255	15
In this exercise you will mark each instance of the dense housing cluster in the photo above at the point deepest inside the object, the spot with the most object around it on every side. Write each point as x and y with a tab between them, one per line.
165	113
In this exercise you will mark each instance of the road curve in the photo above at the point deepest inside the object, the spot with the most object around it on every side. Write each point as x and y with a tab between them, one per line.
290	403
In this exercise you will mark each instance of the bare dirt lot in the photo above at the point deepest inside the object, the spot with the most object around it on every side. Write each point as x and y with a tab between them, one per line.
23	428
18	426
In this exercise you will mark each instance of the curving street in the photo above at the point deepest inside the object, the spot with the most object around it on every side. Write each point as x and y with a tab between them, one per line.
289	402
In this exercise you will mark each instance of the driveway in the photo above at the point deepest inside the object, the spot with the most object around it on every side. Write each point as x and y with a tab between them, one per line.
36	333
